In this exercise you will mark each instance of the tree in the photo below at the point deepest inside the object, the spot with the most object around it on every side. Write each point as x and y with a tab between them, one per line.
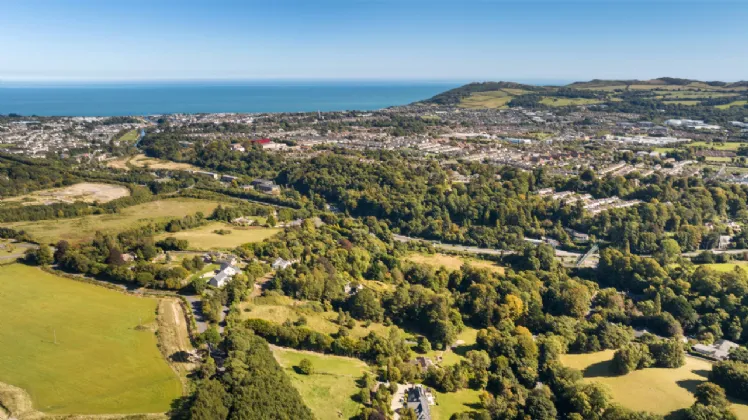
366	305
115	257
540	407
306	367
40	256
408	414
631	357
423	345
709	393
209	402
271	222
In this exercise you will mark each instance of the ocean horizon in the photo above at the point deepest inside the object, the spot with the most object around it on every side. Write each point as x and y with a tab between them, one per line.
119	98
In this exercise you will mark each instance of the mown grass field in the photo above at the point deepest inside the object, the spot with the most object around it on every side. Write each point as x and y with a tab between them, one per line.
656	390
83	228
101	362
329	392
448	403
204	237
451	262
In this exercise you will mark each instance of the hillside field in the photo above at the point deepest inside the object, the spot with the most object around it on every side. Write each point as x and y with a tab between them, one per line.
79	348
80	229
656	390
330	390
451	262
204	237
142	161
88	192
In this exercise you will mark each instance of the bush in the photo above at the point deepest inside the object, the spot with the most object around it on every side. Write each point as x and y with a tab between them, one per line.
305	367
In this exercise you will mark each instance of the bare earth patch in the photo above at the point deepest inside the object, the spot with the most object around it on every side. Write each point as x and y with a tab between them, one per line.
86	191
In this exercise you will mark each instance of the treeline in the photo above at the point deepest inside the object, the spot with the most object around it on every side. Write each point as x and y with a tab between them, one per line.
253	386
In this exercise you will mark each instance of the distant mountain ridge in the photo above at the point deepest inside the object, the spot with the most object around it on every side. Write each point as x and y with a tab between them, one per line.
454	96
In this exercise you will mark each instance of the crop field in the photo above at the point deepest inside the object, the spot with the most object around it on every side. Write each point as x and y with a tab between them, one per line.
80	229
82	349
204	237
330	390
279	309
451	262
657	390
85	191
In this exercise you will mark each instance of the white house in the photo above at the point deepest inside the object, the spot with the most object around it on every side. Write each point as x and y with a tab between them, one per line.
226	273
281	264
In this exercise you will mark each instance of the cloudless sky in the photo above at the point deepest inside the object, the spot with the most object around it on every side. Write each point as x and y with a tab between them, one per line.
373	39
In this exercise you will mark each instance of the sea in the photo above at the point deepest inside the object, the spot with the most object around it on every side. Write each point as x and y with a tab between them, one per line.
148	98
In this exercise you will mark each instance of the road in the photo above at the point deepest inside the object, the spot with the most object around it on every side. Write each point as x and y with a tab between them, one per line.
475	249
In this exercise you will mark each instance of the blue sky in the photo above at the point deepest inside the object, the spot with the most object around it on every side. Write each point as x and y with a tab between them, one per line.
373	39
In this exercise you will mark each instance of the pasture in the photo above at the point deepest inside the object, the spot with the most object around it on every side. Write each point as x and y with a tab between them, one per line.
330	390
204	237
728	266
279	309
451	262
76	348
86	191
553	101
80	229
732	104
129	137
657	390
494	99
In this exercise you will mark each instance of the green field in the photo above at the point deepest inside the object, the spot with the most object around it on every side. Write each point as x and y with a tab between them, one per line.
448	403
731	104
451	262
329	391
80	229
101	361
729	266
717	145
657	390
279	309
130	137
552	101
204	238
494	99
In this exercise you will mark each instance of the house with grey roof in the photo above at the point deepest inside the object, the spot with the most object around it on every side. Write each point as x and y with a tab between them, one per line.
419	399
720	350
226	273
